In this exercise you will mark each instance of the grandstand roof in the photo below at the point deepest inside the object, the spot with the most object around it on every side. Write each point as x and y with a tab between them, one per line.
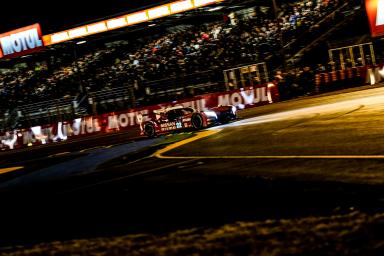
63	14
67	18
70	13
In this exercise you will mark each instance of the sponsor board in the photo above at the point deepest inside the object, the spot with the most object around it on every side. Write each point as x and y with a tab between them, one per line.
120	121
21	41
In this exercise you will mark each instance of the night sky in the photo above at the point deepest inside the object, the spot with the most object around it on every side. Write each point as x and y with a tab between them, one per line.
58	15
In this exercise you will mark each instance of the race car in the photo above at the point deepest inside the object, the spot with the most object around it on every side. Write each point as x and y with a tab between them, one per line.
185	118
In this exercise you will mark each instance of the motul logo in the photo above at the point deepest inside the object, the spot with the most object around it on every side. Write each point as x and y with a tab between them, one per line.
380	13
21	41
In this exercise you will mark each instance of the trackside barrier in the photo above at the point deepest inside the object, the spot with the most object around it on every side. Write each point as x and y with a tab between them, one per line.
374	75
122	121
317	82
349	77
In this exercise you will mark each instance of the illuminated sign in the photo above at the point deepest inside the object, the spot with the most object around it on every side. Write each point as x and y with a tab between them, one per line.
21	41
181	6
199	3
380	13
117	23
126	20
375	12
137	17
97	28
159	12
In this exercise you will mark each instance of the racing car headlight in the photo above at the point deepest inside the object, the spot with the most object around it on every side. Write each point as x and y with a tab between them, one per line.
210	114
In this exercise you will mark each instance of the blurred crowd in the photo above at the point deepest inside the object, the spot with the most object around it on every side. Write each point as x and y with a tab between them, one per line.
295	82
185	50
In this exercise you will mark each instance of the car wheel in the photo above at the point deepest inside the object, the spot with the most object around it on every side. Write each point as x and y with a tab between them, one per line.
149	130
197	121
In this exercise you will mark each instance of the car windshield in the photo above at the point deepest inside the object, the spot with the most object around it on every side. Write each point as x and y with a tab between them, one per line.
175	113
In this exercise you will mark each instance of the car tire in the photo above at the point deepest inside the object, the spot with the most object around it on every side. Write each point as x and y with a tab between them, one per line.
149	130
197	121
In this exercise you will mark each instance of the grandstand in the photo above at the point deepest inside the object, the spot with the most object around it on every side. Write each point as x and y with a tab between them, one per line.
161	60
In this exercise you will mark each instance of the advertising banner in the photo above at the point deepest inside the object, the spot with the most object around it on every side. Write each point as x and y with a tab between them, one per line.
375	13
124	120
21	41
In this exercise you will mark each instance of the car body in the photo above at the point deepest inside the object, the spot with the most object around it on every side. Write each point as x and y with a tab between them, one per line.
185	118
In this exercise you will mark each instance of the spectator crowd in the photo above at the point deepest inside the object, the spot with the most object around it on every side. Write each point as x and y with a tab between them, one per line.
176	52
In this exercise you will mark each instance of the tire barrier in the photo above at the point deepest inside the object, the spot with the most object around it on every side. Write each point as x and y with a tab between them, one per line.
341	79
